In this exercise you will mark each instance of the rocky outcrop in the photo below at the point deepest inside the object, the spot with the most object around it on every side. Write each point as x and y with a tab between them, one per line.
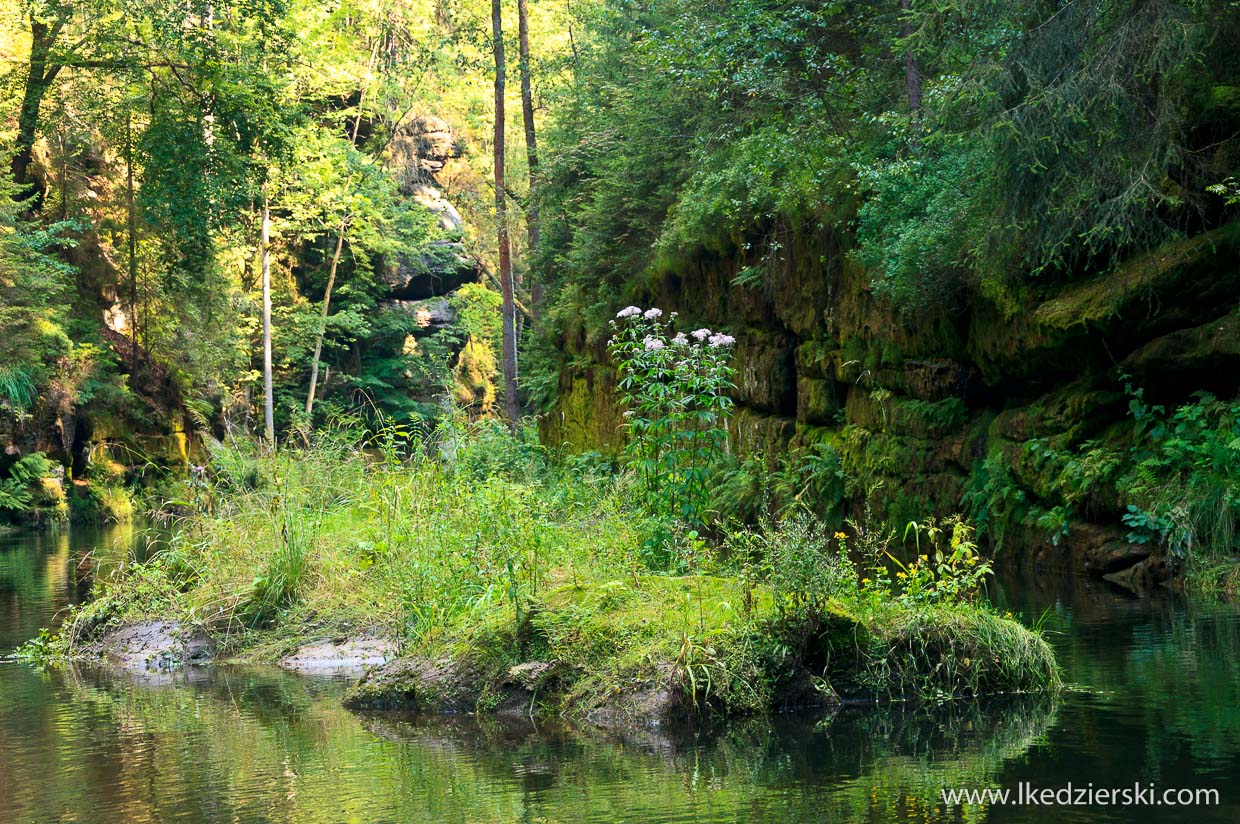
420	685
918	401
438	269
431	315
339	657
422	146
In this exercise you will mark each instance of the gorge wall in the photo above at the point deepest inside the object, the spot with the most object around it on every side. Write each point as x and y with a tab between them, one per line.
932	404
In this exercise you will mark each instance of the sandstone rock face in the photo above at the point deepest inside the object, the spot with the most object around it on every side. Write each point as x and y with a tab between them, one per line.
422	146
441	268
431	315
917	401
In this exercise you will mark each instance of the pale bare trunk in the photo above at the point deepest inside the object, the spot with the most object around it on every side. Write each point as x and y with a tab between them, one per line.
511	407
269	423
132	226
527	114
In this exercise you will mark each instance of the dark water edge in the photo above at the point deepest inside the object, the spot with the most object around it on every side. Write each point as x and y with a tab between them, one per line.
1156	699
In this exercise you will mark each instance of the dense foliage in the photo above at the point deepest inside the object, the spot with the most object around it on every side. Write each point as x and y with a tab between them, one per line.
937	170
966	145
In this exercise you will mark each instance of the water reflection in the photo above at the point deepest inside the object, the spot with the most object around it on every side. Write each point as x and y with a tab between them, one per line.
1158	686
253	745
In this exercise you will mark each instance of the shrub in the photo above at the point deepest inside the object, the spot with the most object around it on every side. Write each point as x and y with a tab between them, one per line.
20	487
1182	489
676	389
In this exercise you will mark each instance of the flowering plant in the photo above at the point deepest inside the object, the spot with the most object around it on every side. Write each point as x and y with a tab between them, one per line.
677	389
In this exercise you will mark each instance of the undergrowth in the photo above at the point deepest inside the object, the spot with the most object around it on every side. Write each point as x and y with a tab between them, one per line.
465	541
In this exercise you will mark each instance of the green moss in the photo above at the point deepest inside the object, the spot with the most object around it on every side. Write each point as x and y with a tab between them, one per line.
951	653
815	359
753	433
1134	283
586	418
655	649
927	419
818	401
765	376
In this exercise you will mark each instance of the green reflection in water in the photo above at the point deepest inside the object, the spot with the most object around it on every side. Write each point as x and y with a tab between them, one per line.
1160	701
252	745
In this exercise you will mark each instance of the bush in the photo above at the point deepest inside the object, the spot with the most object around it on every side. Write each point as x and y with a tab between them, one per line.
1183	489
676	388
21	485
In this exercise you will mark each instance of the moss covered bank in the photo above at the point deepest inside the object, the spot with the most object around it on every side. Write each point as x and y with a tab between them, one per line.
490	577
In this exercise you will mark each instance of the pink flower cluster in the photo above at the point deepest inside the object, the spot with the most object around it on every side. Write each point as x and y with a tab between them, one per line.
713	339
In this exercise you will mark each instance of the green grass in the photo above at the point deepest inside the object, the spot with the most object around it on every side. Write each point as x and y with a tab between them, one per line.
473	546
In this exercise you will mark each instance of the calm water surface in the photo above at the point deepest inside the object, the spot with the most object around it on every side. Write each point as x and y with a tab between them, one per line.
1158	700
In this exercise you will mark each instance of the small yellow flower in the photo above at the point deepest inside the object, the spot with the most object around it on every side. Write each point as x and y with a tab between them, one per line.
901	575
865	580
840	536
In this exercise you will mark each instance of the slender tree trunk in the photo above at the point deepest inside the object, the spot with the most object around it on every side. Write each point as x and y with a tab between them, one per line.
40	74
531	142
133	246
912	71
64	178
318	340
511	407
269	424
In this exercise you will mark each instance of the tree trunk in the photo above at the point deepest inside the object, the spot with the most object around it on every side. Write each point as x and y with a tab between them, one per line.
132	226
912	71
39	76
511	407
269	424
318	340
531	141
527	113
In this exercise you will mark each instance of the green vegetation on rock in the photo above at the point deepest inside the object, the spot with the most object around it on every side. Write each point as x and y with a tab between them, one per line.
512	579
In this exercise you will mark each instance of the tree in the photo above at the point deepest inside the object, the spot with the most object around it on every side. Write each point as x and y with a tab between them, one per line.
333	190
527	115
46	26
508	307
269	425
912	70
33	298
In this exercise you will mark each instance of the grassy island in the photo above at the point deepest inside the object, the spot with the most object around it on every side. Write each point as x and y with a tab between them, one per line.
510	579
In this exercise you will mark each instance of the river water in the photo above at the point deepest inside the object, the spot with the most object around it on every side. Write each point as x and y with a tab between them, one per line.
1155	701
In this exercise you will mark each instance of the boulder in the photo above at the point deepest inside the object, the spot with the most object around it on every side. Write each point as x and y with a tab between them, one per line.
418	684
1114	557
1201	357
340	656
1143	576
153	646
